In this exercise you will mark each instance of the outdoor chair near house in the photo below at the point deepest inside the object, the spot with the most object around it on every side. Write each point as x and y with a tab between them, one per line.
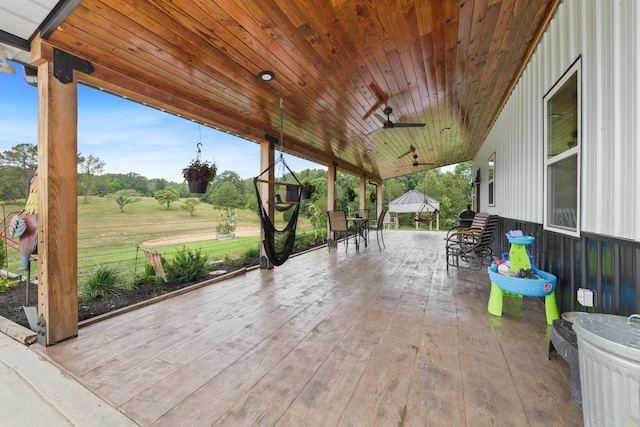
469	247
378	226
338	226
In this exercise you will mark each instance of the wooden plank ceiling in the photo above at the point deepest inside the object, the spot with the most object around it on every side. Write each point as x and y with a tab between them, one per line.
446	63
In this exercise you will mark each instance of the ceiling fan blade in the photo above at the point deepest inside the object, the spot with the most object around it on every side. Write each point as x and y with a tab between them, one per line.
409	125
412	149
371	110
380	95
379	117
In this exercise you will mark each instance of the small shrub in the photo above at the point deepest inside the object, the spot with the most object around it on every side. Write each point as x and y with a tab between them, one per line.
307	239
252	253
225	228
186	266
104	281
5	284
148	276
235	262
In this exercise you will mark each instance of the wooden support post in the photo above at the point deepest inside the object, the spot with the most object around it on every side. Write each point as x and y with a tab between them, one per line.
378	197
332	173
266	193
363	192
57	200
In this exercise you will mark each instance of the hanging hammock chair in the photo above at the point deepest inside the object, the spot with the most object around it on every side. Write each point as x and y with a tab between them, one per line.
426	217
278	244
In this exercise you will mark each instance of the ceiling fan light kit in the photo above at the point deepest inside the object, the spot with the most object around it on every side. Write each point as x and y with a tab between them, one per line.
417	163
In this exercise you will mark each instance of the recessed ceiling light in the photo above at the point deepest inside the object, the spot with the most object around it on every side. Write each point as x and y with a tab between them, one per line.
447	129
266	76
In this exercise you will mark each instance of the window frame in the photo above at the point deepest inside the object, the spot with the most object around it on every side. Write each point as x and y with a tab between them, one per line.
575	151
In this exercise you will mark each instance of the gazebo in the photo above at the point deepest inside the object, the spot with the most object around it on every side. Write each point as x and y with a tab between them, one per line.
414	201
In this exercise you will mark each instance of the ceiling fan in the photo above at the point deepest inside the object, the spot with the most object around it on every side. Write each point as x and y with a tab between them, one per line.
388	124
412	149
417	163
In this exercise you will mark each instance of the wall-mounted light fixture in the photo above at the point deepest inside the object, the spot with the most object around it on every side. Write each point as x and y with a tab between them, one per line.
266	76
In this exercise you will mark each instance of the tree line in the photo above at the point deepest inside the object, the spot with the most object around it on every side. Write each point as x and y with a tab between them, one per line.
229	191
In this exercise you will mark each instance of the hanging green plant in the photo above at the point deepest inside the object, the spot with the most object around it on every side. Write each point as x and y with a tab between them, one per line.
350	194
307	190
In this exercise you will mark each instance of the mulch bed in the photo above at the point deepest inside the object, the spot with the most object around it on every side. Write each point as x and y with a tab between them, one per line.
13	299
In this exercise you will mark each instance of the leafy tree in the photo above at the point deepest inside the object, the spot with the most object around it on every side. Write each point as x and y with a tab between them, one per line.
24	157
250	199
226	196
11	187
391	189
125	197
228	176
167	196
189	205
136	182
158	184
89	167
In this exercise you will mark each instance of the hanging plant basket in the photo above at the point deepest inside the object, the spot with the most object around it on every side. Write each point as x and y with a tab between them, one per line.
198	187
350	194
307	191
199	173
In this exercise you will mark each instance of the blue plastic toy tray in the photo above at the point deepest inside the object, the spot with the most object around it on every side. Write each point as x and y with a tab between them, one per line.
524	240
527	287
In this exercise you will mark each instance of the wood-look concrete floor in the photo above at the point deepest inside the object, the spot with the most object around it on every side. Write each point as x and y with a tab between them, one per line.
368	338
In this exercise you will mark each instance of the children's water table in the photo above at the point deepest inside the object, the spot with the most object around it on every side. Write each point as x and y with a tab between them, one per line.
512	281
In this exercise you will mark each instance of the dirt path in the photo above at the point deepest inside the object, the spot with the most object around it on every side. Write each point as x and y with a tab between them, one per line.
174	240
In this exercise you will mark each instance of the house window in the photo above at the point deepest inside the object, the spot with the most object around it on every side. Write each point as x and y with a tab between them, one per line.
562	154
492	171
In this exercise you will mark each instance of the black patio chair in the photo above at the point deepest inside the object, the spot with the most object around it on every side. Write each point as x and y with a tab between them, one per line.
471	245
379	227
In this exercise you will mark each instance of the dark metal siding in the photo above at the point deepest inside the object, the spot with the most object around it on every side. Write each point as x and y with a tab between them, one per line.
609	267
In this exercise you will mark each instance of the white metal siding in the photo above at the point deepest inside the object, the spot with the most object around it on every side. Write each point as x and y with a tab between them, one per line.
22	17
605	34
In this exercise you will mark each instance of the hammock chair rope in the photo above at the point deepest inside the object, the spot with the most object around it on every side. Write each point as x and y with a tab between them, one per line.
426	218
278	244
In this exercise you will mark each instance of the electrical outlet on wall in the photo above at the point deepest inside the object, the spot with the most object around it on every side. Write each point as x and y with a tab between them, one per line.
585	297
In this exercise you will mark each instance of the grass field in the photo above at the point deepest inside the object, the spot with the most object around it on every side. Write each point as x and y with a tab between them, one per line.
108	237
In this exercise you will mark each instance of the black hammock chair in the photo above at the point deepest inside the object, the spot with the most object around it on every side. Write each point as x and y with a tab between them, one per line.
278	244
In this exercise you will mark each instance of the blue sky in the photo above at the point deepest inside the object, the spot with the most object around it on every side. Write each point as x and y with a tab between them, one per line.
130	137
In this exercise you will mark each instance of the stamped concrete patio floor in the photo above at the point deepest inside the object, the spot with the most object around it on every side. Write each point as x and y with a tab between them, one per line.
331	338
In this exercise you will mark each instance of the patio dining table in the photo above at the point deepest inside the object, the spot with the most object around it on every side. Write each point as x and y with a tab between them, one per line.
359	229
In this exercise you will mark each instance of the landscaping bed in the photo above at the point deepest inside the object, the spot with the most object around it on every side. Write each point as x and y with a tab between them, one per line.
14	298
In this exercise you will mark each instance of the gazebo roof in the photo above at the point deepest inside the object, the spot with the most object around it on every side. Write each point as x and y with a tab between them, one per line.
413	201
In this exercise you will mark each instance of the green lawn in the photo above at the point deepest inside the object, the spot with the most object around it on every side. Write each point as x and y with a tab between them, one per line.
108	237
